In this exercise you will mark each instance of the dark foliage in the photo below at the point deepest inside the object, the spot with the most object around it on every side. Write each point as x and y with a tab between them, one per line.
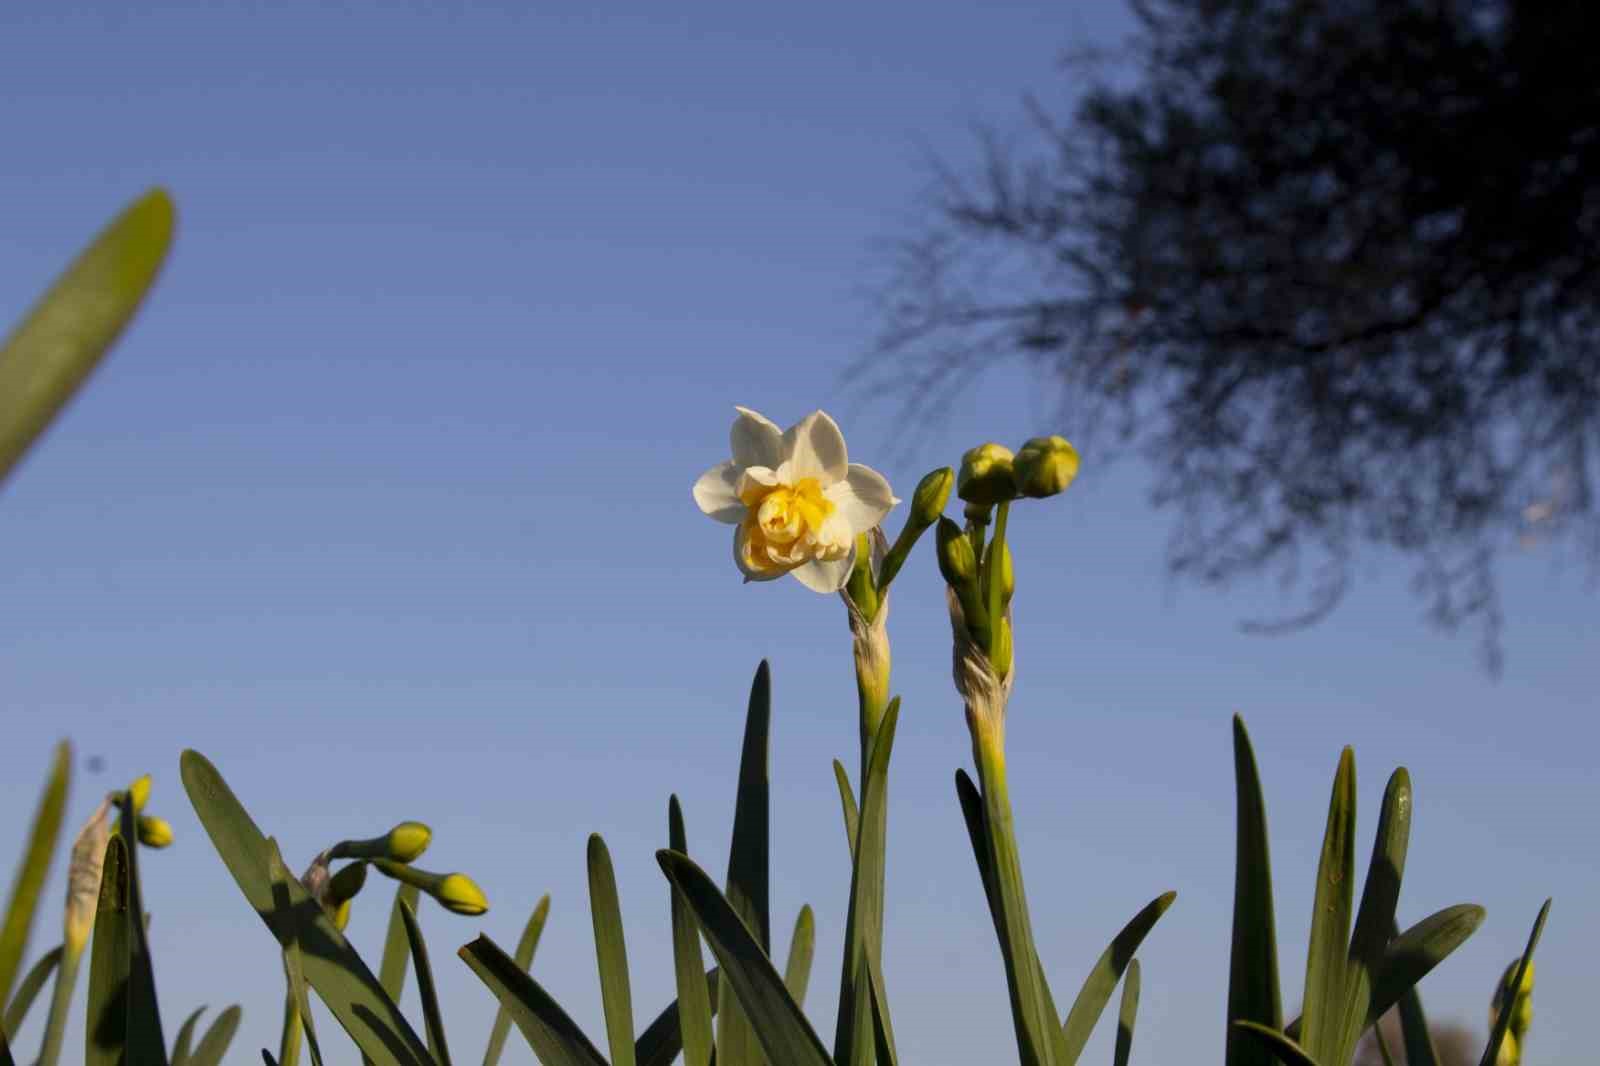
1330	266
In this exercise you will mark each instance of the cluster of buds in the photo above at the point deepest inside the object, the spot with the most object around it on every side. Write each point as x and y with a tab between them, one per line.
392	854
980	576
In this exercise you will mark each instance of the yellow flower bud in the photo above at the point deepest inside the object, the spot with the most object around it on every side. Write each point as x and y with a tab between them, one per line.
344	885
1045	466
139	793
933	492
986	475
154	832
408	840
957	561
341	916
460	895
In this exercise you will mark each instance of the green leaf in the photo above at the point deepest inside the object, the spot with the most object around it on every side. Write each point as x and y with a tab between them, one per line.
332	967
785	1035
1280	1045
847	801
110	963
437	1047
748	886
693	1012
28	990
182	1046
23	903
853	1041
1253	966
50	354
802	946
1414	1034
5	1051
662	1039
524	959
882	1029
1491	1053
396	948
611	951
1322	1033
297	1011
215	1043
146	1042
552	1034
1126	1014
266	1057
1107	971
1414	953
1375	916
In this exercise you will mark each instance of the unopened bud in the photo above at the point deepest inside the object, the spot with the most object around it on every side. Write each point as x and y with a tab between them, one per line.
1001	657
408	840
1008	577
1045	466
139	793
986	475
341	915
461	895
957	561
343	885
154	832
933	492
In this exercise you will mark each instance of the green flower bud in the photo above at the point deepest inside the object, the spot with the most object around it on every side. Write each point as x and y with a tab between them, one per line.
957	562
1008	577
1045	466
407	841
154	832
986	475
344	885
139	793
933	492
1001	658
460	895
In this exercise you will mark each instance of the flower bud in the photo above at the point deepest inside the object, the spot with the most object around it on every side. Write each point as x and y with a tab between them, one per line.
139	793
986	475
933	492
1045	466
1008	577
957	562
344	885
341	915
460	895
154	832
407	841
1001	657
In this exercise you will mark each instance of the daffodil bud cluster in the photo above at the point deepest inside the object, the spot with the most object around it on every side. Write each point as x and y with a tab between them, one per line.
456	892
149	830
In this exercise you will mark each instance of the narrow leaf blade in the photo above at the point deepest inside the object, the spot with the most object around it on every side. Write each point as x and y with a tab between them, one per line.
215	1043
524	958
1108	970
23	902
694	1001
1491	1053
610	950
1253	965
1126	1013
437	1046
110	963
28	989
549	1030
1321	1033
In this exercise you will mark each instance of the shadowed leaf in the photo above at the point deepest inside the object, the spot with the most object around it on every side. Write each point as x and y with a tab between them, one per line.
524	959
552	1034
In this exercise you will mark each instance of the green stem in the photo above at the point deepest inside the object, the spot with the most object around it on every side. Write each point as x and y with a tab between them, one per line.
989	581
1035	1026
60	1003
289	1042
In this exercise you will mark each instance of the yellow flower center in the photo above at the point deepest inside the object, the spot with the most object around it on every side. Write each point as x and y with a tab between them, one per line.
789	525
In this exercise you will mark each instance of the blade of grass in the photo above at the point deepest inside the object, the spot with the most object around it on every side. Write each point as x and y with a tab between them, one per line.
110	964
1321	1032
694	1001
28	989
215	1043
1502	1023
553	1035
749	857
1125	1015
65	334
1108	970
437	1046
23	903
611	951
524	958
1253	965
785	1035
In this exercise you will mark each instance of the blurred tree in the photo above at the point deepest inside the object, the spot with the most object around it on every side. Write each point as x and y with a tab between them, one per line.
1456	1044
1330	265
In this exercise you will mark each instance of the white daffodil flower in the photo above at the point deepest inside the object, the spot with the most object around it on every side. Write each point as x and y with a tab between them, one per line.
795	500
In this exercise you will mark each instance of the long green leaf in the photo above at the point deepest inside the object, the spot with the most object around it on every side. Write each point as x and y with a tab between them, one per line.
524	959
1375	916
184	1044
749	858
1126	1014
1281	1046
694	1001
297	1010
847	801
23	903
146	1042
28	989
1107	971
215	1043
65	334
552	1034
332	967
611	951
437	1046
802	946
1502	1023
662	1039
110	963
1253	966
780	1025
1326	993
396	958
1414	1034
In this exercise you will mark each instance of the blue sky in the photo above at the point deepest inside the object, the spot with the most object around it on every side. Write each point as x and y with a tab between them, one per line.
383	504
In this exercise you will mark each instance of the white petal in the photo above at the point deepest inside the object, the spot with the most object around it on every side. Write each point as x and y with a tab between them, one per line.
738	560
863	497
826	577
717	493
814	447
756	441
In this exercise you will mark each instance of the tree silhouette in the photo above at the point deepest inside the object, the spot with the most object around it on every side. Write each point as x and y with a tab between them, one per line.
1330	266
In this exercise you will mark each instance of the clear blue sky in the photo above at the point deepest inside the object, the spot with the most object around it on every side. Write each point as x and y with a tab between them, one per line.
383	504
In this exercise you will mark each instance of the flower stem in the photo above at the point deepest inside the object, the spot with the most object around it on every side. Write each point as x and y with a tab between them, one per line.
990	583
60	1003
